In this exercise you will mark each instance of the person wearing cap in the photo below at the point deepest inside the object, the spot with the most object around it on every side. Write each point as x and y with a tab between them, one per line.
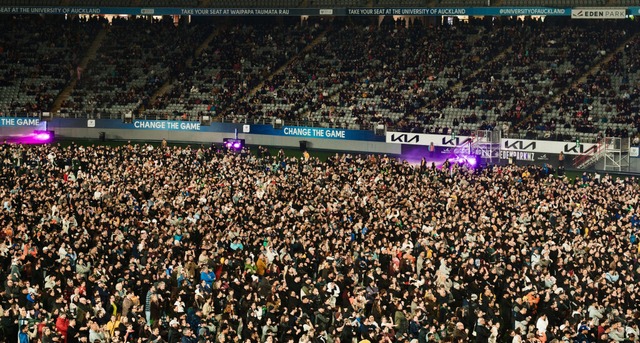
583	334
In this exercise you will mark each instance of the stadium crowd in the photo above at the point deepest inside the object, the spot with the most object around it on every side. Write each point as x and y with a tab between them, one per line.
223	73
38	58
559	78
122	80
137	243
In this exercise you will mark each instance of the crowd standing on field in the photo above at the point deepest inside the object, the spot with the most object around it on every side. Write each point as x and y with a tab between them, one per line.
137	243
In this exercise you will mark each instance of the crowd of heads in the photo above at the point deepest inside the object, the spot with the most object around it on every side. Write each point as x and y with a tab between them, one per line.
141	243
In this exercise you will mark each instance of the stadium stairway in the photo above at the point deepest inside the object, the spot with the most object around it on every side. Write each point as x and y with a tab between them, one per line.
167	85
90	55
283	67
604	61
583	77
203	46
456	87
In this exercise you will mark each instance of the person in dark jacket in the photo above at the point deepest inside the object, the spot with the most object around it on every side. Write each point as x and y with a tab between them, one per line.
189	336
72	332
482	332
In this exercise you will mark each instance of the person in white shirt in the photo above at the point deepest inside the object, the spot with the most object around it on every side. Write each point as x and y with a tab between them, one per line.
179	305
333	290
542	323
517	338
494	333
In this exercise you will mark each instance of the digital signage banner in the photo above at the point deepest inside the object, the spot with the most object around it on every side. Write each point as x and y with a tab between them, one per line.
173	125
598	13
418	11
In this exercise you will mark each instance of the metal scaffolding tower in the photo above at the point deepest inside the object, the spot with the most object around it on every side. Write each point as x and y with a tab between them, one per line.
614	150
616	156
486	144
482	143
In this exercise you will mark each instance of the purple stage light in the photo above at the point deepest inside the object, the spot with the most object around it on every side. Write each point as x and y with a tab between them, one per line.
234	144
414	154
37	137
32	137
43	136
472	160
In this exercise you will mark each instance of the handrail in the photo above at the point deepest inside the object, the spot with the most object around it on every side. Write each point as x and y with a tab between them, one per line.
587	159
